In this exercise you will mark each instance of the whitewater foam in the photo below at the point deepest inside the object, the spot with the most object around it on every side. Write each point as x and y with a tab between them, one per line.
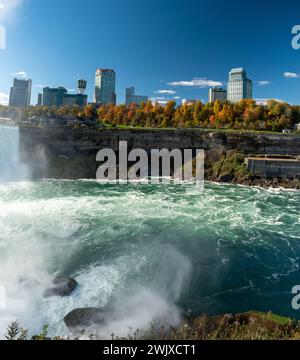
146	252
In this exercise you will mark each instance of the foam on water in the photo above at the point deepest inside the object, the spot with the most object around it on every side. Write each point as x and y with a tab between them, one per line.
146	252
128	246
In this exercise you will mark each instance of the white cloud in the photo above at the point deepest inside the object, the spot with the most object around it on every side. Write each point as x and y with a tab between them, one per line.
4	98
159	99
177	97
291	75
20	74
165	92
71	90
263	82
7	7
196	82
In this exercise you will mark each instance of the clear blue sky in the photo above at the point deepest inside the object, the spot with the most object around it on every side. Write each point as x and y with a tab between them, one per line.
151	44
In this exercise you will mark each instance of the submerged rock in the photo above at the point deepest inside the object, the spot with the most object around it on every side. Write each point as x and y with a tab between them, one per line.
62	286
84	318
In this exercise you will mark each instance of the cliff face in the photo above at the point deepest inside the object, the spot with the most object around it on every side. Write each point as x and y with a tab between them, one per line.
71	153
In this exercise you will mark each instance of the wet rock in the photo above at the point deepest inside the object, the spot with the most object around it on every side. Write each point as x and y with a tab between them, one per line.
225	177
84	318
62	286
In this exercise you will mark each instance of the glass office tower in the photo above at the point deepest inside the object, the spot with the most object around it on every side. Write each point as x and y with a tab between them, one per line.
239	86
53	96
105	87
20	93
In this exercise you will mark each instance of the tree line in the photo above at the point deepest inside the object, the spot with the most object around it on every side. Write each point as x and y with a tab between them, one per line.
242	115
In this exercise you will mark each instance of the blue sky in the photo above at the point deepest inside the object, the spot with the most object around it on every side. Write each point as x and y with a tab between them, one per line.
165	48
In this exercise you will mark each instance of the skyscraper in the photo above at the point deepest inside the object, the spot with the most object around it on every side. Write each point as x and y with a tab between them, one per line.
20	93
131	98
217	93
40	100
53	96
105	86
239	86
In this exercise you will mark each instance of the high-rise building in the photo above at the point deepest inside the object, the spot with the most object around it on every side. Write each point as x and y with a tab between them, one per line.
217	93
239	86
20	93
53	96
75	99
131	98
105	86
40	100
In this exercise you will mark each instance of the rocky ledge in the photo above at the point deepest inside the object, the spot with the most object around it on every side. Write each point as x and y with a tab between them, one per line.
63	153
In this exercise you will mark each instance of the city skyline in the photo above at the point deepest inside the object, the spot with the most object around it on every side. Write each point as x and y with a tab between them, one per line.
237	88
165	60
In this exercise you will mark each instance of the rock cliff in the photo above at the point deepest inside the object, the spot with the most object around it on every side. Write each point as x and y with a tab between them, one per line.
71	153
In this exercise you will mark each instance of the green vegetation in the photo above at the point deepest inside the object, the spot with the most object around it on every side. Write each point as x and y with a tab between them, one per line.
231	166
252	325
281	320
244	115
16	332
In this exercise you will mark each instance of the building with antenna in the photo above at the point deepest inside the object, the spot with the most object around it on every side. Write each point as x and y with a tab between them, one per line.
80	98
60	97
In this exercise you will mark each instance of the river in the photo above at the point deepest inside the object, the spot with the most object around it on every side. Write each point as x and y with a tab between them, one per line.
150	252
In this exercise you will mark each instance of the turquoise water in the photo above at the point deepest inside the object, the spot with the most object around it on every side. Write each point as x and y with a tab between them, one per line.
148	252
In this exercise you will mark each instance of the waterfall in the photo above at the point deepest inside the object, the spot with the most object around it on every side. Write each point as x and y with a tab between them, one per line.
11	169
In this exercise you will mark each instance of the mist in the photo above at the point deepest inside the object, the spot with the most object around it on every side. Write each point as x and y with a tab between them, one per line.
141	307
11	168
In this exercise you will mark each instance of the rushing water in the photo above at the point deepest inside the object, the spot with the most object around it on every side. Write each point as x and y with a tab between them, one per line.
149	252
10	167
